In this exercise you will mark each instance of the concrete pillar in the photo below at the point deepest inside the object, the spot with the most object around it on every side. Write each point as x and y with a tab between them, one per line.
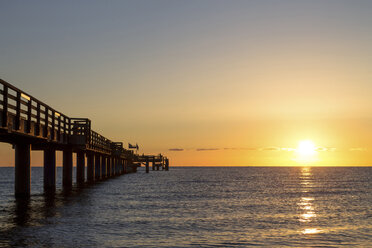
67	169
153	164
147	167
22	182
50	170
90	167
80	167
97	166
103	167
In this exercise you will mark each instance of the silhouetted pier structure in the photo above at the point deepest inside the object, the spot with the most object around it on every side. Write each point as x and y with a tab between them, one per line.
30	124
158	161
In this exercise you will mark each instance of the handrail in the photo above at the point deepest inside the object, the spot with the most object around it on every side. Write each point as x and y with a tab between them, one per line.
25	106
97	141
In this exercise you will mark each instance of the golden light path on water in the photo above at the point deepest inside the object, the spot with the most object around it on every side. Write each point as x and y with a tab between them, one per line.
306	203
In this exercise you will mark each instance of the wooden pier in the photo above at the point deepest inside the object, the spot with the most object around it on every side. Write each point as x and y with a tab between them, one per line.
29	124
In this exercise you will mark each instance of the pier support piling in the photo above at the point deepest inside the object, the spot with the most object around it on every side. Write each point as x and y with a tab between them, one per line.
103	167
125	165
50	170
116	166
80	167
97	166
109	172
67	169
22	182
113	166
147	167
90	167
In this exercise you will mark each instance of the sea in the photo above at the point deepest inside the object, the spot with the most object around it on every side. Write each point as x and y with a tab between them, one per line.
195	207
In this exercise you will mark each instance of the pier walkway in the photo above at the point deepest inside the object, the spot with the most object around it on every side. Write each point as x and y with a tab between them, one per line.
29	124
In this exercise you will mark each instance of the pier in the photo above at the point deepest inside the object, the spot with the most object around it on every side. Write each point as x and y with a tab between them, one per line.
29	124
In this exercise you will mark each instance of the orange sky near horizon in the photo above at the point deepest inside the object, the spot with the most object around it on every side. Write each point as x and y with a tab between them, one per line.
208	83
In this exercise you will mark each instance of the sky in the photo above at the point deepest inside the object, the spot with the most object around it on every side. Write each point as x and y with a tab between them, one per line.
204	82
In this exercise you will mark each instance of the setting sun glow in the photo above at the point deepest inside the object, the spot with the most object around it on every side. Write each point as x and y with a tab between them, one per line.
306	152
306	148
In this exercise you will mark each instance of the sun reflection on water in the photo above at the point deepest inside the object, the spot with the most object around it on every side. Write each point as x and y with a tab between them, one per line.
308	209
306	205
311	231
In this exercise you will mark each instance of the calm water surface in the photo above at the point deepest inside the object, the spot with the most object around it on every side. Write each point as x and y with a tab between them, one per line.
196	207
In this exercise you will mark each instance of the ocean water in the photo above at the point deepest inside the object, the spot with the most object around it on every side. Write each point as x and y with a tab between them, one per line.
196	207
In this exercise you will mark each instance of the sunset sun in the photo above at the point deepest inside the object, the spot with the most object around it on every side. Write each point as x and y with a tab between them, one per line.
306	152
306	148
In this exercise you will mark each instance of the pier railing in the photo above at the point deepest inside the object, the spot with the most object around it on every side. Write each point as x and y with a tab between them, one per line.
98	142
24	113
